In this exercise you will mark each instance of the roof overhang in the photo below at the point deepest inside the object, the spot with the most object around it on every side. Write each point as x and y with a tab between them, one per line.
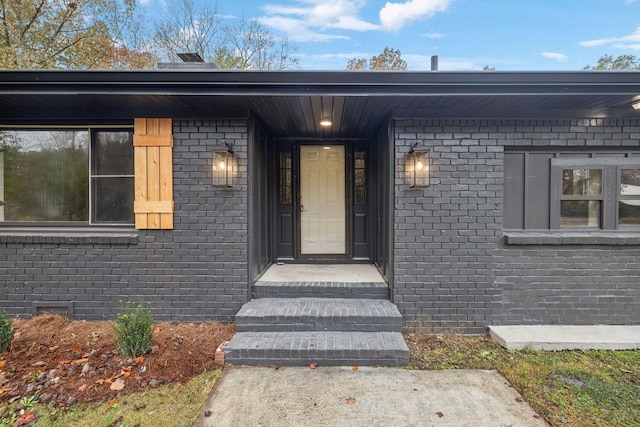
290	103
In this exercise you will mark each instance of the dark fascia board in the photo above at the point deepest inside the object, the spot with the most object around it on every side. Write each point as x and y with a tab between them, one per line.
521	113
330	83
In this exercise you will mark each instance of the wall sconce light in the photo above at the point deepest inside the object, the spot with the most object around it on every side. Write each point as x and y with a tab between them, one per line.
417	168
225	166
636	105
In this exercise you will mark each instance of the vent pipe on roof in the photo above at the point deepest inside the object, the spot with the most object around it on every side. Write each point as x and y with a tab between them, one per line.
434	63
190	57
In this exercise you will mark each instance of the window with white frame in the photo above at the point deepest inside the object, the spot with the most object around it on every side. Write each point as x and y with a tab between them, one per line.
66	176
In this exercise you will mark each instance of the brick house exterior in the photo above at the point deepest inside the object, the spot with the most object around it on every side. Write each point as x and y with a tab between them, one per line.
477	247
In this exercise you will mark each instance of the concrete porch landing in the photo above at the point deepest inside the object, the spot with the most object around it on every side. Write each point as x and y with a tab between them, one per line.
567	337
344	273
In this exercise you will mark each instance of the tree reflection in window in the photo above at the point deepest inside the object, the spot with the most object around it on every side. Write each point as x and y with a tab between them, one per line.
285	178
360	158
629	197
581	198
45	175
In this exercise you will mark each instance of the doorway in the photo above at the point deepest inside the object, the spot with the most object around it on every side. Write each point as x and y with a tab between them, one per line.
323	204
322	200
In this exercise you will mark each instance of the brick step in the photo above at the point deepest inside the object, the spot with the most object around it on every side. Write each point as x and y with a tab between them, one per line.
318	314
367	290
326	348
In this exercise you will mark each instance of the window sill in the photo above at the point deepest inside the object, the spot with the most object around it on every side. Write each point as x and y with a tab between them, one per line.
617	238
70	236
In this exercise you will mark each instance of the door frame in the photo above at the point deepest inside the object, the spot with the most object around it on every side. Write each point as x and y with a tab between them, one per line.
290	251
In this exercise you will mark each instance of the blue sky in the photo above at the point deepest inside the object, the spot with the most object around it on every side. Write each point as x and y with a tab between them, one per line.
465	34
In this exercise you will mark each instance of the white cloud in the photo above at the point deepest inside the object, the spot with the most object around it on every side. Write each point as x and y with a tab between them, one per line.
394	16
625	42
629	1
560	57
296	29
432	35
313	20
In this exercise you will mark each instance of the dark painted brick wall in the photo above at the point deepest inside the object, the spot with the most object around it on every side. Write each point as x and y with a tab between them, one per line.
452	271
196	271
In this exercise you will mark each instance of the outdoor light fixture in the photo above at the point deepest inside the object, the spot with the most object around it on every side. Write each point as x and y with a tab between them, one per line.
636	105
417	168
326	121
225	166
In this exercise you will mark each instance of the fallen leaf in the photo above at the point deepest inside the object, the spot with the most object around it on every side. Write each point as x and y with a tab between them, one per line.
139	360
25	419
351	401
313	365
519	400
623	370
440	414
117	385
3	390
82	387
125	372
79	361
2	363
355	368
156	331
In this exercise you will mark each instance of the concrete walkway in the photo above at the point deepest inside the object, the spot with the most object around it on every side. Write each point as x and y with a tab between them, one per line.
341	396
567	337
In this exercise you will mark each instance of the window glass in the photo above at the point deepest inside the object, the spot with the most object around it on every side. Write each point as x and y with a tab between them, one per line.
112	153
581	182
360	158
286	180
629	203
580	213
45	175
113	200
112	181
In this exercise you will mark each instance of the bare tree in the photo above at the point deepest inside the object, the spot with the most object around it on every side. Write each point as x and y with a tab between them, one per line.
187	27
247	44
238	43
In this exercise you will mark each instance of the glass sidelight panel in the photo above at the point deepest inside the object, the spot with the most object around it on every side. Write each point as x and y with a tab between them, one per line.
360	178
285	178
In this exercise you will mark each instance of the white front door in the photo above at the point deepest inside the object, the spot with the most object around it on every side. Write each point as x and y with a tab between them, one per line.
322	200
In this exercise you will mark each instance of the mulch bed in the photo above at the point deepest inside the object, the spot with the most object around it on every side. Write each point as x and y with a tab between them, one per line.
62	362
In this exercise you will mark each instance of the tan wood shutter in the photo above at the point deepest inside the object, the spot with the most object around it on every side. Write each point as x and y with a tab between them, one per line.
152	145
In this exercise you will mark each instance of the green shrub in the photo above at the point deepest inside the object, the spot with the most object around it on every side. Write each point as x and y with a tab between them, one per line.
7	331
133	328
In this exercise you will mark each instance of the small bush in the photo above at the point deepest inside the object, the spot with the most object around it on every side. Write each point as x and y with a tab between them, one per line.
7	331
133	328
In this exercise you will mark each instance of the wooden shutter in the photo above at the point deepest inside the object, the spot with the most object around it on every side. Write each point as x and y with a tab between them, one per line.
152	145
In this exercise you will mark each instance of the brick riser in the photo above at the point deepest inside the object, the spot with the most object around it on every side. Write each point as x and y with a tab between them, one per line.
362	290
326	348
331	324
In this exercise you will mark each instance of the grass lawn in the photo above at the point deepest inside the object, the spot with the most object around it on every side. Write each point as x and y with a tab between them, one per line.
569	388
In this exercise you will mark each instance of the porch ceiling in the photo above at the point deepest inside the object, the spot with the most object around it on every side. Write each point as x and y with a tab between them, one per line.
290	104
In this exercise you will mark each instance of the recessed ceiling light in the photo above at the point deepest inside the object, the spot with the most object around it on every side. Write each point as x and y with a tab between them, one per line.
325	121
